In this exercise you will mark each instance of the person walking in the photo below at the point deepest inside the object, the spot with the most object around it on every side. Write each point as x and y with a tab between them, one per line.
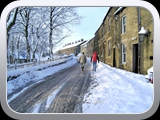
94	60
82	60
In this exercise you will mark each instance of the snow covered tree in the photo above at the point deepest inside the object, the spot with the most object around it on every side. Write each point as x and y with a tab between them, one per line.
59	20
40	29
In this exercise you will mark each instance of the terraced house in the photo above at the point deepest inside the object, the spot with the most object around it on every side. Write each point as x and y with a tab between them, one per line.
84	47
125	39
72	47
90	45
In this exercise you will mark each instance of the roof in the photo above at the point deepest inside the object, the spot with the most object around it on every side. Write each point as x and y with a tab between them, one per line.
84	43
90	39
104	18
72	45
23	55
118	10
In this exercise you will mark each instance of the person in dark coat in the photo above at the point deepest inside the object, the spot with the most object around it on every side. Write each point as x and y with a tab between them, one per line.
82	59
94	60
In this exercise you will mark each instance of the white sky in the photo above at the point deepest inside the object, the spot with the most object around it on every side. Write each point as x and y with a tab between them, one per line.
112	91
92	19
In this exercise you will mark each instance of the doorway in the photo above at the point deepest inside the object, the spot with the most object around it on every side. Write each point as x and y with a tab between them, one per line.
135	58
114	57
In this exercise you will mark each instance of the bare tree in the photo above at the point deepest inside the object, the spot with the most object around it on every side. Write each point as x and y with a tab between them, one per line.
11	21
41	28
60	19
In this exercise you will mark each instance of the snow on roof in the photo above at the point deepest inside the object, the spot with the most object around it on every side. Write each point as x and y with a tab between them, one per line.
118	10
89	40
72	45
83	44
23	55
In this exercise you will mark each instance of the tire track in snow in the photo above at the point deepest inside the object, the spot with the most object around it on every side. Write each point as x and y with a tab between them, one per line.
49	100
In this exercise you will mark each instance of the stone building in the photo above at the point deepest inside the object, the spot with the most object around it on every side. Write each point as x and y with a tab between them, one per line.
119	40
96	39
90	46
84	48
72	48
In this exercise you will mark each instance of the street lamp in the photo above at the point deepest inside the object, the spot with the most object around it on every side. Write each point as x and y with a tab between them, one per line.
142	33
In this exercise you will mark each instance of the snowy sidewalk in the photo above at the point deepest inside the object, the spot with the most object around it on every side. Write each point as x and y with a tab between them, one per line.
117	91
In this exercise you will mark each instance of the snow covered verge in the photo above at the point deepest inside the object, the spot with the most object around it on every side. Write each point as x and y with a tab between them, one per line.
21	77
12	74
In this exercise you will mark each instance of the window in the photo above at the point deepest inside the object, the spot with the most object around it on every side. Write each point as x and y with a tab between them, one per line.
123	53
123	24
103	29
109	48
109	24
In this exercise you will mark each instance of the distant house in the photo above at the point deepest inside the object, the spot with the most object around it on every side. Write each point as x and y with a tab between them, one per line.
84	47
17	57
73	48
20	57
90	46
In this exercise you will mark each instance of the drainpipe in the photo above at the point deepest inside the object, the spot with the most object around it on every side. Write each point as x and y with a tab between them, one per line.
120	41
139	44
103	42
114	55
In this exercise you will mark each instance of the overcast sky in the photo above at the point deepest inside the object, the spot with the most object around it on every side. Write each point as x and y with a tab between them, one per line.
92	19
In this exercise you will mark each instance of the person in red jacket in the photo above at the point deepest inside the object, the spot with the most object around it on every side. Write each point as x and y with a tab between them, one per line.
94	60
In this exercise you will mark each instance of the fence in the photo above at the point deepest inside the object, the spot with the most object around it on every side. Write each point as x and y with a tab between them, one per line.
34	63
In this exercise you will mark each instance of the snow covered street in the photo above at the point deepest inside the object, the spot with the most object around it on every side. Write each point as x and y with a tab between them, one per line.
111	90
